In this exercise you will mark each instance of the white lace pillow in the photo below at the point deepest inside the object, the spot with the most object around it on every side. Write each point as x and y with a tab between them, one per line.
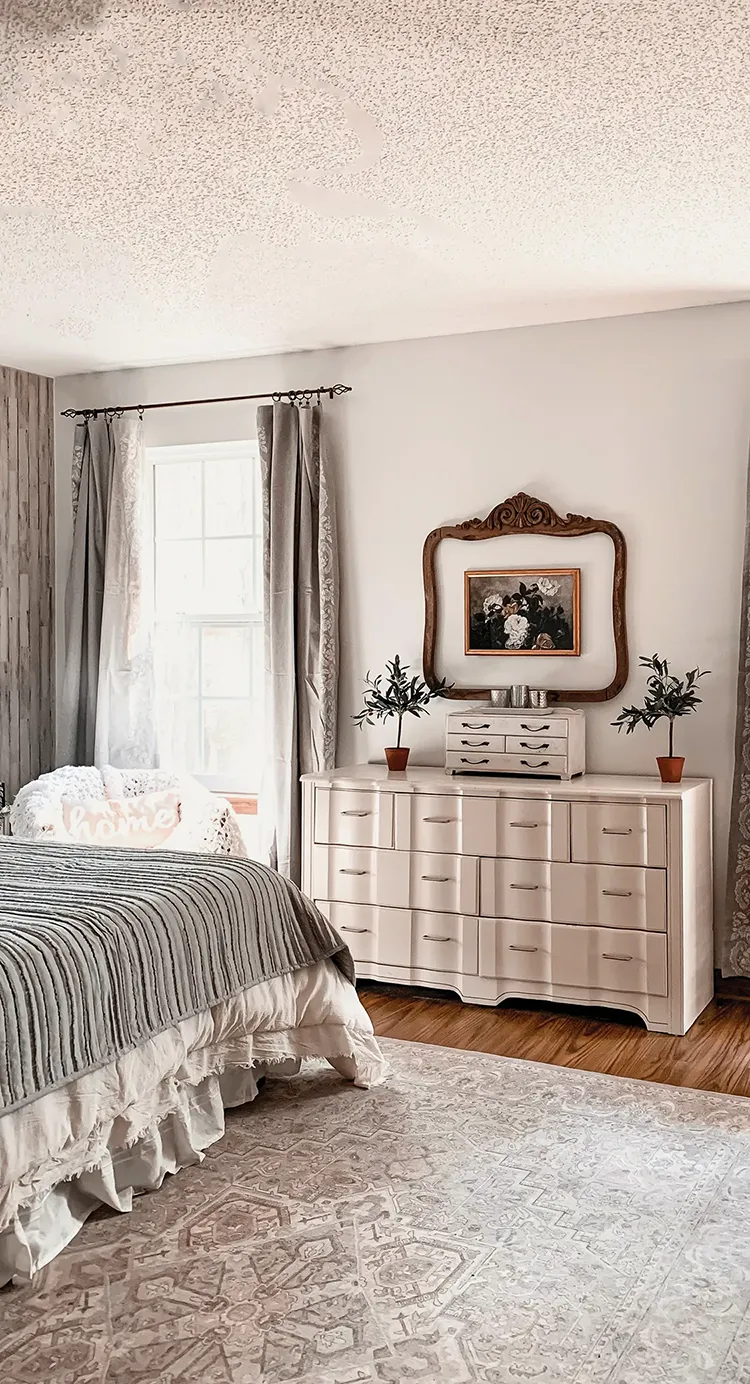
146	822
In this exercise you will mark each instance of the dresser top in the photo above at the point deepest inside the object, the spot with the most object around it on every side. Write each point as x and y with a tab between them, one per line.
422	778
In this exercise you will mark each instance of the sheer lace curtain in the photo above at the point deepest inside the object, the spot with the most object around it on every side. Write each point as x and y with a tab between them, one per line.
300	588
108	713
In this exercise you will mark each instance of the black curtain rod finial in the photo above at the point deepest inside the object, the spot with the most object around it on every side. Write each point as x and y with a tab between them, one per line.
292	396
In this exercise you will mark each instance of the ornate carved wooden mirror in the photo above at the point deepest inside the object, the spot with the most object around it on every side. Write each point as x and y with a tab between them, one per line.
524	514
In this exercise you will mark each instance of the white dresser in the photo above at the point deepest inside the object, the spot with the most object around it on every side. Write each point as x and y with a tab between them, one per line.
596	891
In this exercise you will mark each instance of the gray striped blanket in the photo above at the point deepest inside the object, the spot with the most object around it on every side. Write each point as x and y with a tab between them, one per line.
102	949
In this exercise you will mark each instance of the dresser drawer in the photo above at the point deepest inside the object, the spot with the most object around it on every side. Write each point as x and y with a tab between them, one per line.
475	760
596	895
393	879
445	823
354	874
521	829
527	828
516	889
371	933
593	958
619	833
445	942
475	742
406	937
619	896
353	818
443	883
536	745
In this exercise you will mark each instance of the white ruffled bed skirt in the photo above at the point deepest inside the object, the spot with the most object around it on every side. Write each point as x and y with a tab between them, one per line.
116	1132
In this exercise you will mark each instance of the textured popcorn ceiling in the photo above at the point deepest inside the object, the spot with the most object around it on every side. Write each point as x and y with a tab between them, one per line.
186	179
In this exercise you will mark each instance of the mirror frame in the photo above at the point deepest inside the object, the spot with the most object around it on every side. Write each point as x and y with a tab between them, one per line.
524	513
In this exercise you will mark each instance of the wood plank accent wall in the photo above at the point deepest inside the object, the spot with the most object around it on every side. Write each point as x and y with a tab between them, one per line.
27	547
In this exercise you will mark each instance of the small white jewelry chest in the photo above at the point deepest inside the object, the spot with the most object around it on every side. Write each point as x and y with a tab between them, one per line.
548	743
596	891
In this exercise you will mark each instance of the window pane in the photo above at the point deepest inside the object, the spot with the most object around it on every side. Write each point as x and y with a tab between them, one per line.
178	500
176	654
230	483
179	578
178	726
230	585
226	661
231	739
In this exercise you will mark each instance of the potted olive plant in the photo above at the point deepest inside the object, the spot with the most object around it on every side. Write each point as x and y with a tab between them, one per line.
667	697
398	695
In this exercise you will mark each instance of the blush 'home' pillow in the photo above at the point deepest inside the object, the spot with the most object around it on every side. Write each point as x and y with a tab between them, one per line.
147	821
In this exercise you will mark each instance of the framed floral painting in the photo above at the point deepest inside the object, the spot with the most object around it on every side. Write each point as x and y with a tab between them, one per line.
529	612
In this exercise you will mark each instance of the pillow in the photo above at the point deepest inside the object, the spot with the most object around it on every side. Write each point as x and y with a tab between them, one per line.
147	821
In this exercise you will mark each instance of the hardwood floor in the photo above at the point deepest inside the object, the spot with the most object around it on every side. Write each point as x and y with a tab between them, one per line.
713	1056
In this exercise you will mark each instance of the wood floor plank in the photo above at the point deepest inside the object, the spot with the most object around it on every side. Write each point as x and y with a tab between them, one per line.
713	1056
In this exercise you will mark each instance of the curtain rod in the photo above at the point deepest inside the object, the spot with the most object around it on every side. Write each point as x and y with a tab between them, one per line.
293	396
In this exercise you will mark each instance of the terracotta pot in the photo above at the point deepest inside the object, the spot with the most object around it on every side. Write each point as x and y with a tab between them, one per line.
397	758
671	769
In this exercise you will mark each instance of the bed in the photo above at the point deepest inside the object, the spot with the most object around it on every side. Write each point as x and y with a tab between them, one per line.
120	1050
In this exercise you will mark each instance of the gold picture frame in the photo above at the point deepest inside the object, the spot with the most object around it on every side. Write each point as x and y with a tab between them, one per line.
544	603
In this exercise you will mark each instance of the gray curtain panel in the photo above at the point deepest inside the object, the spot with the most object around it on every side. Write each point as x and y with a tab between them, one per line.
301	590
736	958
108	696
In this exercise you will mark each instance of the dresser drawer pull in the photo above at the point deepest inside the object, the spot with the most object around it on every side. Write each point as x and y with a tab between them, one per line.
525	745
542	765
438	879
354	929
342	871
430	937
615	956
618	893
524	886
516	946
475	761
476	744
535	730
466	725
355	812
442	820
617	831
527	826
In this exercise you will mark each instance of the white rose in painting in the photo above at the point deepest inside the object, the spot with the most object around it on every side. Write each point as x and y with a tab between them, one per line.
492	605
548	587
516	628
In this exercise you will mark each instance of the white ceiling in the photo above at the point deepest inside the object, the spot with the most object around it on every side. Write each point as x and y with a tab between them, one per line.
193	179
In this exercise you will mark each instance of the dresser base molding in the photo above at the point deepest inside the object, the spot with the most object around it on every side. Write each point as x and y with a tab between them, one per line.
594	892
654	1011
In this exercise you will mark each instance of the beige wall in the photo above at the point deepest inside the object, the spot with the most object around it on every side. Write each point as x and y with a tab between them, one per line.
643	420
26	577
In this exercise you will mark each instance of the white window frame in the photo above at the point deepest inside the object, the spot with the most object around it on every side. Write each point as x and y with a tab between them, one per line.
225	783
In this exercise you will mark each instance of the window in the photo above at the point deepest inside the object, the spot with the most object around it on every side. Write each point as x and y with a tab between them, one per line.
209	611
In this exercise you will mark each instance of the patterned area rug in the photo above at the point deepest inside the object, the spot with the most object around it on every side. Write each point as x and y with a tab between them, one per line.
476	1219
